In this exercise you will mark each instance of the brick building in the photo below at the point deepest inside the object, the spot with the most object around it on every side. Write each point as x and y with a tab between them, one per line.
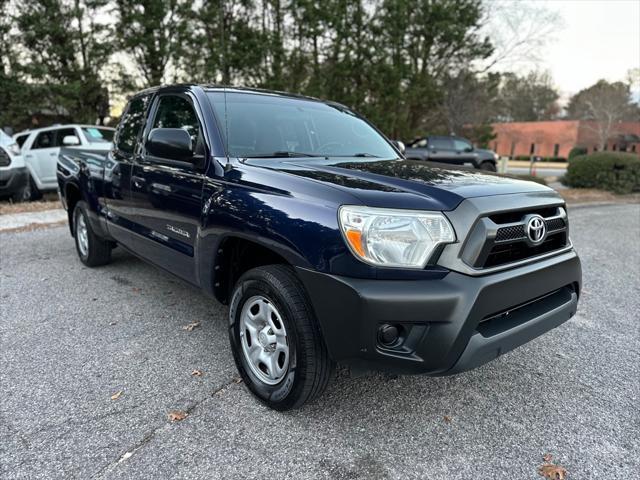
556	138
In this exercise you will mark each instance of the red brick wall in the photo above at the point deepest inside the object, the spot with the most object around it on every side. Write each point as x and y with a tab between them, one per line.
516	138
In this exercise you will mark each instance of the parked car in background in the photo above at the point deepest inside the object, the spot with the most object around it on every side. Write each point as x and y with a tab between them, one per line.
13	172
453	150
41	146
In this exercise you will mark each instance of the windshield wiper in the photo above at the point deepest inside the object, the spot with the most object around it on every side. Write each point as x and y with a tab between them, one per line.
358	155
284	154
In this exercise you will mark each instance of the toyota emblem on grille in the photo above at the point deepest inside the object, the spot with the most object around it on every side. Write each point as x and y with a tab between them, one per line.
536	229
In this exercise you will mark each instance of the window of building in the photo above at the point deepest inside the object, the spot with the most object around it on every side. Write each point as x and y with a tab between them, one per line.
633	148
532	150
606	147
513	149
556	149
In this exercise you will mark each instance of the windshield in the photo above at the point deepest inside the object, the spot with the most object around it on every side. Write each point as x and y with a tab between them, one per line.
256	125
98	135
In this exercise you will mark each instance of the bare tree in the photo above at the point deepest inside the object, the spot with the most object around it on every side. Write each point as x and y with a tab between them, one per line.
605	105
519	32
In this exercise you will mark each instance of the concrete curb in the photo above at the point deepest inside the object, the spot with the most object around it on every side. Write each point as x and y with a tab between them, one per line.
15	221
598	204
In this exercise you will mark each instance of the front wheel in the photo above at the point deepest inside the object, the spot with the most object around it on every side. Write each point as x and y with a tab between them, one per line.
275	338
488	166
92	250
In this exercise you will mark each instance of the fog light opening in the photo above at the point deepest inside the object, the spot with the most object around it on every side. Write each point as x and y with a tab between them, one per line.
388	335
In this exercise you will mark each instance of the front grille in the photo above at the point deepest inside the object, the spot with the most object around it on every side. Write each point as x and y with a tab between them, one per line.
512	252
516	216
555	224
510	233
501	238
5	160
517	232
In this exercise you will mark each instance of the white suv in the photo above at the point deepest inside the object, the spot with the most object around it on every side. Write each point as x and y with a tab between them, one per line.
14	181
40	149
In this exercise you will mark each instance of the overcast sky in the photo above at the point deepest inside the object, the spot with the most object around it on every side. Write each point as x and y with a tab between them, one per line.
599	39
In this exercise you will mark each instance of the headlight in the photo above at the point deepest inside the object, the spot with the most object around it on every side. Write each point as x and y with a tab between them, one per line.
14	149
394	238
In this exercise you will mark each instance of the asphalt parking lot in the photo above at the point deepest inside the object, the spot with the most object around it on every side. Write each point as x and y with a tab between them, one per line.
71	337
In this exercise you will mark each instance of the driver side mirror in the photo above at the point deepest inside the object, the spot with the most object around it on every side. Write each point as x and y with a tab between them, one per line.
70	140
170	143
400	146
468	149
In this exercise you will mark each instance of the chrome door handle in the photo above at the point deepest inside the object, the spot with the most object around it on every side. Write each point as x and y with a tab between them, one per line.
138	181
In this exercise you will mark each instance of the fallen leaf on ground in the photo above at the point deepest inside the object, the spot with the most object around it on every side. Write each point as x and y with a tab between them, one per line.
191	326
136	290
547	457
116	395
552	472
177	415
237	380
197	373
447	418
113	323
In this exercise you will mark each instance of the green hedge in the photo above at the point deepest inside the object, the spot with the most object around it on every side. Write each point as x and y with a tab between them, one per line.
542	159
613	171
576	151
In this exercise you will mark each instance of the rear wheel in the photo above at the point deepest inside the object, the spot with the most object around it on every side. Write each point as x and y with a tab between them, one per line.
488	166
275	338
92	250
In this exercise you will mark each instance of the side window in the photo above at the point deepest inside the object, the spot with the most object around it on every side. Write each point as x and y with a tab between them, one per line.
20	139
44	140
131	124
440	143
177	112
63	132
460	145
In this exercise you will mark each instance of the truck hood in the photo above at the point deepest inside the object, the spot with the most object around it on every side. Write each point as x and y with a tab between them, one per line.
401	183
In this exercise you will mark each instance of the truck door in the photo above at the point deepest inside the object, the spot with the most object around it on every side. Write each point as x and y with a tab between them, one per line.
464	151
441	150
42	157
167	192
117	177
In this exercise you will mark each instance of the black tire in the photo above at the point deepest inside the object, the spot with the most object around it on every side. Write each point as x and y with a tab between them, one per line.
309	367
488	166
23	194
34	192
98	250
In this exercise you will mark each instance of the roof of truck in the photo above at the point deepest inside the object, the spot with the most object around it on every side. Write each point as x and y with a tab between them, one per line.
230	88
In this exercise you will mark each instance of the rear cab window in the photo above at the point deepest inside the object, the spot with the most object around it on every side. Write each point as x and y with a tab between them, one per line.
131	124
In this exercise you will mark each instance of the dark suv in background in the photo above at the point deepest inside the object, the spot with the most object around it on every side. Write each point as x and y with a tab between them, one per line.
453	150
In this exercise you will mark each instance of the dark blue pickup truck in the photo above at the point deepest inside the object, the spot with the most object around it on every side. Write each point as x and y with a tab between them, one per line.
326	243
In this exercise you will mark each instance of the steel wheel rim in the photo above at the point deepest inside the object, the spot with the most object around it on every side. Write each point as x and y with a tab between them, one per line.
264	340
83	236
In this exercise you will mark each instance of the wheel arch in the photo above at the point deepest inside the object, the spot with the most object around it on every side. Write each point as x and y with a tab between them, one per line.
235	254
72	195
